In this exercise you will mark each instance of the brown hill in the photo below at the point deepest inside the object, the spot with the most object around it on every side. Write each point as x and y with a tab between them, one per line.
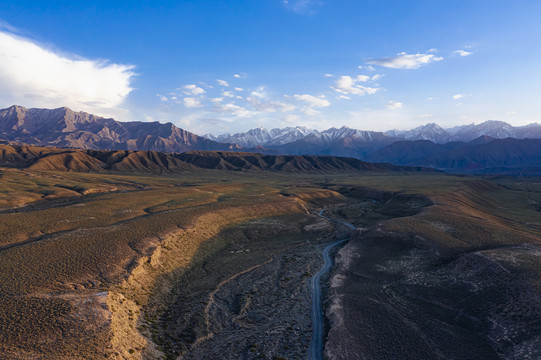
287	163
68	161
55	159
153	162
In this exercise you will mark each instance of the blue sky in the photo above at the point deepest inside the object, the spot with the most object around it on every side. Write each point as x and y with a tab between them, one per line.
224	66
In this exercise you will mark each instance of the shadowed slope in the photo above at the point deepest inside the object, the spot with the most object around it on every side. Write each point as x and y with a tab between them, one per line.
53	159
287	163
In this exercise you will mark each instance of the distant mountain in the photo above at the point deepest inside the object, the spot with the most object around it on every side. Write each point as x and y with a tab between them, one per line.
531	131
492	128
342	141
263	137
465	133
454	149
153	162
432	132
66	128
482	155
406	152
299	140
345	141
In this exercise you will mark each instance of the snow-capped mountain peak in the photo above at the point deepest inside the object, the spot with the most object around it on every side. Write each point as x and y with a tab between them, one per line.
431	131
263	137
493	128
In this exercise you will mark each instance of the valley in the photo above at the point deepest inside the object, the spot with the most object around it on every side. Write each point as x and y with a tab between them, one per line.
218	263
270	180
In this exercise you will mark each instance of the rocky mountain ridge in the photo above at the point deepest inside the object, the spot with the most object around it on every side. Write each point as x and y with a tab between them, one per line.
63	127
263	137
431	131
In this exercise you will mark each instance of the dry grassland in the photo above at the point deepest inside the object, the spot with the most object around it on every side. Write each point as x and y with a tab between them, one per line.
127	266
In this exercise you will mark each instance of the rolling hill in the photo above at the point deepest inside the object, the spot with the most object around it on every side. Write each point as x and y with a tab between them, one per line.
153	162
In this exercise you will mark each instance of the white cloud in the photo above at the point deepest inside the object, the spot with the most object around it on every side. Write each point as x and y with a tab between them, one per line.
235	110
162	98
328	75
457	96
394	105
362	78
191	102
511	113
405	61
259	93
313	101
237	76
347	85
376	77
217	99
228	94
462	52
239	89
192	89
368	67
32	75
343	97
222	82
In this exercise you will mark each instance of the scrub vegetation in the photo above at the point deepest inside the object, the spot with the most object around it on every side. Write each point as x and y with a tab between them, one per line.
125	266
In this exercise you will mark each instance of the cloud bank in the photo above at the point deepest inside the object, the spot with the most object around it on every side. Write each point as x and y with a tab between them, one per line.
33	76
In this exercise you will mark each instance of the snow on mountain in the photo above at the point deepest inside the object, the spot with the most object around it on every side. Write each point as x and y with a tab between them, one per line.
492	128
452	131
263	137
335	134
289	134
395	133
432	132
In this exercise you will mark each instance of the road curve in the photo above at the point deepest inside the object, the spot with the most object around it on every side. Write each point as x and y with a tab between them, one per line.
316	345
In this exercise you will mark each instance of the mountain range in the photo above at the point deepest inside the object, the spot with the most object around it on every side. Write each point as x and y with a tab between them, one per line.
481	156
489	147
65	128
432	132
263	137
